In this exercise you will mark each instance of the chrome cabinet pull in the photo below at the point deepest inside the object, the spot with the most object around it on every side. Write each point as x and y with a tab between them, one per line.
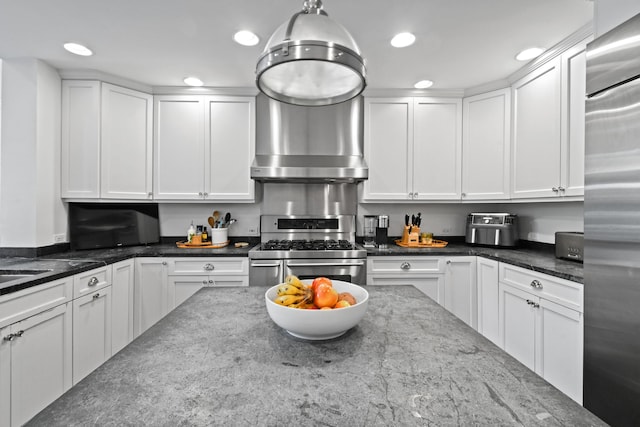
561	188
405	266
93	281
96	296
536	284
11	337
555	189
448	261
208	266
204	282
164	262
533	303
210	281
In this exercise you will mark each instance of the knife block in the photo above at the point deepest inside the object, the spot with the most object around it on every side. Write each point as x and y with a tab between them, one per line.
412	238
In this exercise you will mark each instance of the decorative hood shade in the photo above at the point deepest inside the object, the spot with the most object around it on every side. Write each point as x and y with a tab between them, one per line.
311	60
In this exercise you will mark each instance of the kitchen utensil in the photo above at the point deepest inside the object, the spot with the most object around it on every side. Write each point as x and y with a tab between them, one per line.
227	217
216	219
231	221
212	222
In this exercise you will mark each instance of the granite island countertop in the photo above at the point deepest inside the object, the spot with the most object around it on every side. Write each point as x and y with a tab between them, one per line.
219	360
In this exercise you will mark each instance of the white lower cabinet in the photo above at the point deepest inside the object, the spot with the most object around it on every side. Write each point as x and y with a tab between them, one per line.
35	364
122	284
460	291
488	299
448	281
91	332
542	325
424	273
188	275
150	293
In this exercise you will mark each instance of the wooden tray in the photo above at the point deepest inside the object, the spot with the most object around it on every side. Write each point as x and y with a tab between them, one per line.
434	244
185	245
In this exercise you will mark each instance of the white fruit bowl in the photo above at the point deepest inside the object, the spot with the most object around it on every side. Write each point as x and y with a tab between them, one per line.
319	324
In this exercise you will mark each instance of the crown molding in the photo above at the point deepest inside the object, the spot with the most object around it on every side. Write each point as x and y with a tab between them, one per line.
104	77
443	93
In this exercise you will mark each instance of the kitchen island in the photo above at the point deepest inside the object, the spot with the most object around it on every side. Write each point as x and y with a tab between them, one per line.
218	359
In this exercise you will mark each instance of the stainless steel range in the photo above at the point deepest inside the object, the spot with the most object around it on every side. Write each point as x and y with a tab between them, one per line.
308	246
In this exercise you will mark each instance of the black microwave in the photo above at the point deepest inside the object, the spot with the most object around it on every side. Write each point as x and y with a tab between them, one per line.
111	225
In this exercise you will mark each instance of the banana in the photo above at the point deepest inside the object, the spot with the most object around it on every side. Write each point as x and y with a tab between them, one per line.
294	281
288	300
284	289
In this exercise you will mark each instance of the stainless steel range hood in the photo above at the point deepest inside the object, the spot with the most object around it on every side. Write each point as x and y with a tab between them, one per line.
309	144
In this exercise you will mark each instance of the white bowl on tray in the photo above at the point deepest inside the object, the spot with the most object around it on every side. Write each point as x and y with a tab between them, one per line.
319	324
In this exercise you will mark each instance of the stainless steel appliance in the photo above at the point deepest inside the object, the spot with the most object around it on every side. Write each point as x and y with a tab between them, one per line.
309	144
370	224
570	245
307	246
612	226
492	229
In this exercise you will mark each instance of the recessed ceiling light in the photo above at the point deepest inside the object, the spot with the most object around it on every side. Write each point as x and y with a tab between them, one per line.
78	49
403	40
423	84
193	81
530	53
246	38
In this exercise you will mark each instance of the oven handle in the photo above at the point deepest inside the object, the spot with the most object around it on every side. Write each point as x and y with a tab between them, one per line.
262	264
326	264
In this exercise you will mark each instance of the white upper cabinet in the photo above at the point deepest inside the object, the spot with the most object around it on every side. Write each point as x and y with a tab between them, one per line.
413	148
179	147
486	143
127	143
203	148
80	151
573	120
536	133
106	141
548	128
231	144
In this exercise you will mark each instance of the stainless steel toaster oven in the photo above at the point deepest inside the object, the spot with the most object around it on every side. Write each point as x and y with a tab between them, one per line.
492	229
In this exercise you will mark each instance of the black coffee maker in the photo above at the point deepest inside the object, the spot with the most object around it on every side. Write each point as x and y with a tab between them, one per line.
382	231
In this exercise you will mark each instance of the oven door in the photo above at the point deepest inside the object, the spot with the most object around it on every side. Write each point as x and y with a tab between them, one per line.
265	272
348	270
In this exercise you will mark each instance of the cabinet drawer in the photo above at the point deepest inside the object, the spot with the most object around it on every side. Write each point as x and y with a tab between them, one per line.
208	266
91	281
564	292
389	264
17	306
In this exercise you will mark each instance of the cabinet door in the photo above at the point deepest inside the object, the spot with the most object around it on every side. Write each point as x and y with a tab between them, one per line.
179	153
460	291
488	299
518	324
183	287
486	146
127	143
151	293
40	362
436	155
122	305
231	147
388	133
573	120
5	377
80	139
561	349
91	332
536	133
431	285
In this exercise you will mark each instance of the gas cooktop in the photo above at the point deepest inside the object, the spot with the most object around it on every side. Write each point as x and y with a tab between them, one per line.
307	245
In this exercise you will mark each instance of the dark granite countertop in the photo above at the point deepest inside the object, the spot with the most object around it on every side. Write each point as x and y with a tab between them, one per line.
539	258
219	360
68	263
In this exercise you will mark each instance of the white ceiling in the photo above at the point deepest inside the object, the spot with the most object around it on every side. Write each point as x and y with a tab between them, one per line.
460	43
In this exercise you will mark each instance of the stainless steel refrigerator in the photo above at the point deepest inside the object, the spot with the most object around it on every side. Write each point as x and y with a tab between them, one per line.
612	226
